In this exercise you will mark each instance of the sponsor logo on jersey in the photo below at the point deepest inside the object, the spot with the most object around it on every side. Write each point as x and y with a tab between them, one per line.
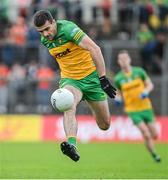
62	54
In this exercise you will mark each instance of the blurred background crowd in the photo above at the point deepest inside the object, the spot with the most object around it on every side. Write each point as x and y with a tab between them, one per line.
28	74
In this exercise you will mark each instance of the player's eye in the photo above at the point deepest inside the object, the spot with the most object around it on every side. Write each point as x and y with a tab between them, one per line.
46	29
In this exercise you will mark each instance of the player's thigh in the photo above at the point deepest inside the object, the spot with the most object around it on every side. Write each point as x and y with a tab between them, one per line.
144	129
136	117
76	92
100	110
153	130
150	122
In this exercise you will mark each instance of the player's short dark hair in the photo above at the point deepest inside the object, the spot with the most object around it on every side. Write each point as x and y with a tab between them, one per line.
41	16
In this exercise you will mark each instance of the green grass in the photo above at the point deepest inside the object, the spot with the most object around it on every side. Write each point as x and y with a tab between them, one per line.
98	161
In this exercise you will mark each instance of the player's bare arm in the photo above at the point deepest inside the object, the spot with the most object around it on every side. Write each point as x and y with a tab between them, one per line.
148	85
95	51
98	59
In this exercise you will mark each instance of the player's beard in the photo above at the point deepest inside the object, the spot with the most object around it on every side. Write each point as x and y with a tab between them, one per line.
50	37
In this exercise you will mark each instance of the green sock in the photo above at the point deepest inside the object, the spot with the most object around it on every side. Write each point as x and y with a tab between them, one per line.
72	140
154	154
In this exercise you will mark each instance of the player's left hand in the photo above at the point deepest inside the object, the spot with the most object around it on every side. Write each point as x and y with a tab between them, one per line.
118	101
144	95
107	87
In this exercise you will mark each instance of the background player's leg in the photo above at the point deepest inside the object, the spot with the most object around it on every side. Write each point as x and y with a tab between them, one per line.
146	135
152	128
101	112
148	140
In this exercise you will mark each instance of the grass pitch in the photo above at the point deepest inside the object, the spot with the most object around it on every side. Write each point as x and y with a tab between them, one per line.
98	161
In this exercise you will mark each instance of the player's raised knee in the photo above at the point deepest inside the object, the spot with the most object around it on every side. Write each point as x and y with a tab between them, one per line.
155	136
104	126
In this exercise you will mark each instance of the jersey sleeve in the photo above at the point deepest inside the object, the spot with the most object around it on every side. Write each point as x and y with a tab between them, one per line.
73	32
117	82
142	74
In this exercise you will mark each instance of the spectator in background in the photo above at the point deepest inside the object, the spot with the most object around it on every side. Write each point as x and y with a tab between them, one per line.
32	35
45	76
4	72
32	44
4	21
106	26
8	51
154	22
145	10
66	6
53	7
31	74
147	42
103	31
125	13
95	14
159	51
93	32
165	24
163	9
17	34
17	88
78	13
35	5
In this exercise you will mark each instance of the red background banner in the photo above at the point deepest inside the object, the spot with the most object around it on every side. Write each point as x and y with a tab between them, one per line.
122	129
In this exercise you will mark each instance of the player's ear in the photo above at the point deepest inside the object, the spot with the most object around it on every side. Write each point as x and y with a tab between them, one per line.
53	21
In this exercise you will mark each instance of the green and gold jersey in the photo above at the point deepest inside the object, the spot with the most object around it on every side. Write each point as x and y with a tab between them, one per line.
132	85
74	61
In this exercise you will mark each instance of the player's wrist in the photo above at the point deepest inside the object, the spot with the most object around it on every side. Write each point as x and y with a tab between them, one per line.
146	92
118	101
107	87
102	77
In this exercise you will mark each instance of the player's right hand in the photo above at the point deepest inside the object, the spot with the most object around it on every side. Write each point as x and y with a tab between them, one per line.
107	87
